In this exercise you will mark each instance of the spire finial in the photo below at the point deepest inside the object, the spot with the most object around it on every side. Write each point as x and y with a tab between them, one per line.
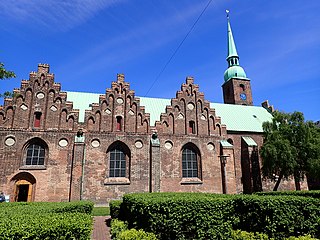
232	51
234	68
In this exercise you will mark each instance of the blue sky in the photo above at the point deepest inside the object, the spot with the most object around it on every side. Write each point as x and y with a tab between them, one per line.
88	42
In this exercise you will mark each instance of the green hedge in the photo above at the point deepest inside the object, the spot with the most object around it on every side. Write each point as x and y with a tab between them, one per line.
180	216
133	234
313	194
115	209
46	220
213	216
243	235
308	237
45	207
278	216
120	231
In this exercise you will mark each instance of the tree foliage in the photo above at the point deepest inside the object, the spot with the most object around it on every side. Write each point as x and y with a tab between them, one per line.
5	74
291	148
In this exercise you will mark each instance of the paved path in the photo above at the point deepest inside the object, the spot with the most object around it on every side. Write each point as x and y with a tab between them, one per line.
100	229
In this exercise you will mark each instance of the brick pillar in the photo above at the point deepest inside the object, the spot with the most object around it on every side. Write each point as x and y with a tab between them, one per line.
227	169
251	175
246	168
154	163
76	169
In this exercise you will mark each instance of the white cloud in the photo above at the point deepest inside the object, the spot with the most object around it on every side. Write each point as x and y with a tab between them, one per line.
58	14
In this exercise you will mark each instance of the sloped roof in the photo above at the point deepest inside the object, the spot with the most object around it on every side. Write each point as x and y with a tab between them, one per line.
249	141
154	106
82	101
226	144
235	117
242	118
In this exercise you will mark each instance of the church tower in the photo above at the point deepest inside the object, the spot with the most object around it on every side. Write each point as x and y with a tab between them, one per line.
236	87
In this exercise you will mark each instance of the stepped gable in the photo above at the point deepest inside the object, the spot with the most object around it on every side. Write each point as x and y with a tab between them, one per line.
39	105
118	111
190	114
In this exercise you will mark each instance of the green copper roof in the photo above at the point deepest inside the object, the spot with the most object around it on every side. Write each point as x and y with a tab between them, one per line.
82	101
249	141
154	106
232	51
234	72
234	69
235	117
226	144
242	118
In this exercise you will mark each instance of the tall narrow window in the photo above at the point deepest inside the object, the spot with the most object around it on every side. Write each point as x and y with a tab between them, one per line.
117	163
35	155
119	123
189	163
192	127
37	118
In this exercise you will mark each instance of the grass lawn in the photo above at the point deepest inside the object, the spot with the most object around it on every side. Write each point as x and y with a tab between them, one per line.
101	211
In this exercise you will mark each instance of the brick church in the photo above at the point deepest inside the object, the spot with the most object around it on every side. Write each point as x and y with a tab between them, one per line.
61	146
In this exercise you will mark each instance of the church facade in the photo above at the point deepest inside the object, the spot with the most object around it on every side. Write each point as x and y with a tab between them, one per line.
62	146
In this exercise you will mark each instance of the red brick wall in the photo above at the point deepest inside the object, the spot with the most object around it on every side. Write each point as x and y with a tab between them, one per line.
81	170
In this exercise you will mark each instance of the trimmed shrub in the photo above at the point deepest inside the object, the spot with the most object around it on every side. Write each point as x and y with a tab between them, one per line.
120	231
308	237
45	207
278	216
47	226
213	216
180	216
115	208
117	227
313	193
45	220
134	234
243	235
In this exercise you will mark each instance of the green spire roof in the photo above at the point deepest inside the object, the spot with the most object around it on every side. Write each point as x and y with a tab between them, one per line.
234	69
232	51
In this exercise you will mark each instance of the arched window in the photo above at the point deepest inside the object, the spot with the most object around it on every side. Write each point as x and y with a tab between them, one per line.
117	163
190	162
35	153
119	156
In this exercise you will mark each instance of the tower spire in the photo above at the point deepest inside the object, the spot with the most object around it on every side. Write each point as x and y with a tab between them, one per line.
234	68
232	51
236	86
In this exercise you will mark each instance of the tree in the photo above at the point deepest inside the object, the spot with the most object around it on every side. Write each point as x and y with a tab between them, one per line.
314	162
5	74
291	148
